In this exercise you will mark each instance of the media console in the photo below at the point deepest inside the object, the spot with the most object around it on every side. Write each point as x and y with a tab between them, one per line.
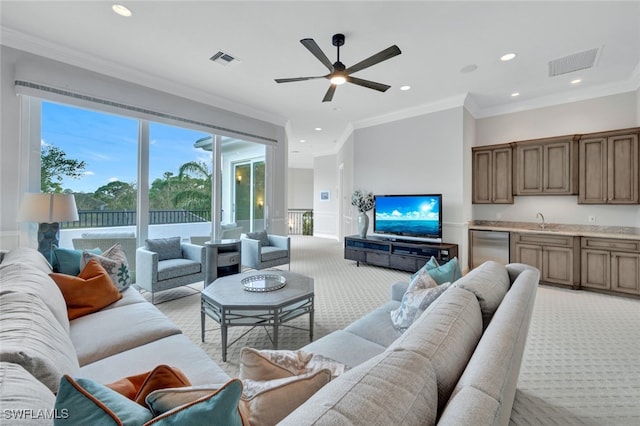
397	254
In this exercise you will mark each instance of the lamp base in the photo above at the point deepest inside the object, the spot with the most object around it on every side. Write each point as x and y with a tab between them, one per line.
48	237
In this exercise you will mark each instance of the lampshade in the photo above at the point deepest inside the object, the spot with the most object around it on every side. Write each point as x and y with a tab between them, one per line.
48	208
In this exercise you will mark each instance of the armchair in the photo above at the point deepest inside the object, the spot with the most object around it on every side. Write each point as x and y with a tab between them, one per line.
261	250
167	263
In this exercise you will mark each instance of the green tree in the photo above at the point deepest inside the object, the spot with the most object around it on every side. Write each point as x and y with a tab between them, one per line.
195	191
54	165
117	195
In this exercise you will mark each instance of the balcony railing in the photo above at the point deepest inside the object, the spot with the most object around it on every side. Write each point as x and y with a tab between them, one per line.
110	218
300	222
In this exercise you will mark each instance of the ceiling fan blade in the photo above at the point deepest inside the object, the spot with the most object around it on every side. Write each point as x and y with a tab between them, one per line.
383	55
368	84
313	47
329	95
289	80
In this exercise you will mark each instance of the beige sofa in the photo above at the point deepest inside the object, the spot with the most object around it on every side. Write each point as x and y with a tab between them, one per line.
457	364
38	344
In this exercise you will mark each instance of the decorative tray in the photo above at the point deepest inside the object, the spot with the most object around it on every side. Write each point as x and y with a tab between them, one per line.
264	282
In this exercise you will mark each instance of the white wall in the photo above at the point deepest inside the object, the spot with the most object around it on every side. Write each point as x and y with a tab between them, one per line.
325	213
300	188
600	114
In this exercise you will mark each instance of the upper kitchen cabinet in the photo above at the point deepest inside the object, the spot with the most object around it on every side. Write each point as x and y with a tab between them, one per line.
609	167
492	171
546	166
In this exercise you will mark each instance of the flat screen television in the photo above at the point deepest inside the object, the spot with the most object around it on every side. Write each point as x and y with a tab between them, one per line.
418	215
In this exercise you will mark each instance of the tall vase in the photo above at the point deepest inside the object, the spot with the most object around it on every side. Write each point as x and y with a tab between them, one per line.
363	225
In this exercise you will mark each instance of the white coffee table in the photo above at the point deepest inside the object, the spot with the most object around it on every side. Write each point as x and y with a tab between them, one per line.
228	303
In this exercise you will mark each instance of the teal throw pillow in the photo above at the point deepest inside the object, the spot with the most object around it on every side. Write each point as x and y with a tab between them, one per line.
217	408
432	263
67	261
449	272
84	402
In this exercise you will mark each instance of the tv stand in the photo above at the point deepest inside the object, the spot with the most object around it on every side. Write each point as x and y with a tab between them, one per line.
396	253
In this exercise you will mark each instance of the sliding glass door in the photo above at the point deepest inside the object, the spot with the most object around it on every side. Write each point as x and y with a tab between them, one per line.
249	194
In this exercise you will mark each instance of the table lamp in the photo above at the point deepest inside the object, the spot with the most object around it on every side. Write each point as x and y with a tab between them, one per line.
48	210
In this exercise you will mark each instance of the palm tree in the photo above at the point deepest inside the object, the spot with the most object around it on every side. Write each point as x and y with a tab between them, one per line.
196	192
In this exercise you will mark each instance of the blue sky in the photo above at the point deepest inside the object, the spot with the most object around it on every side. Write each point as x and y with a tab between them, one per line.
108	144
407	208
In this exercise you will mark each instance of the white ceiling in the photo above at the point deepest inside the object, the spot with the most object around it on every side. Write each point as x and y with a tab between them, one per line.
167	45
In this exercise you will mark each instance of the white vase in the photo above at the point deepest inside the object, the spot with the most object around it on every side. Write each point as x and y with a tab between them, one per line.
363	225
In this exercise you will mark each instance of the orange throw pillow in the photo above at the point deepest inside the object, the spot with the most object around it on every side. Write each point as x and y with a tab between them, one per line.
89	292
139	386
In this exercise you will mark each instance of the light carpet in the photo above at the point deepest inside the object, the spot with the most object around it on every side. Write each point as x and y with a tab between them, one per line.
582	359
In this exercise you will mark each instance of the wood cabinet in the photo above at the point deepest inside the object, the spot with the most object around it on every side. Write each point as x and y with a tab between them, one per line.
609	168
546	166
397	254
492	174
557	257
611	265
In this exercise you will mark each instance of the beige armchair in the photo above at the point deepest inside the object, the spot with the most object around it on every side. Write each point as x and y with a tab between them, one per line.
167	263
261	250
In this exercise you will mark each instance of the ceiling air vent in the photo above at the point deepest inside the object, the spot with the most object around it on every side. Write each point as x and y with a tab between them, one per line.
575	62
223	58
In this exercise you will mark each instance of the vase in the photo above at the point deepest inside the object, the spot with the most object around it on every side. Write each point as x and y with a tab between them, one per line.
363	225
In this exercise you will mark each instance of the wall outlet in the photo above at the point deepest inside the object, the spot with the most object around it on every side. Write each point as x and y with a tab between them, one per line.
592	219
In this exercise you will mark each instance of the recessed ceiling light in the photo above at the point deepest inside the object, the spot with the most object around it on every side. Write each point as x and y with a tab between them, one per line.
507	57
318	129
576	81
403	88
121	10
302	141
514	94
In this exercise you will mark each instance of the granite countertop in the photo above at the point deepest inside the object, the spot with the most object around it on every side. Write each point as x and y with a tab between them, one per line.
621	232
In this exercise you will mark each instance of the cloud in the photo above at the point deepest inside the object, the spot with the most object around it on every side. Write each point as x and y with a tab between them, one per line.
113	179
88	173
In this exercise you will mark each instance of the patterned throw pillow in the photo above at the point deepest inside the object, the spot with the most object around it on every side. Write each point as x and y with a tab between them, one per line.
277	364
114	261
422	291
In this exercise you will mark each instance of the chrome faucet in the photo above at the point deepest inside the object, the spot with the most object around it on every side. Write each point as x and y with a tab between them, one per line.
541	217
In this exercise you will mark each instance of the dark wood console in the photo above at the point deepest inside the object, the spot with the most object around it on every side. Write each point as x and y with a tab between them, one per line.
396	254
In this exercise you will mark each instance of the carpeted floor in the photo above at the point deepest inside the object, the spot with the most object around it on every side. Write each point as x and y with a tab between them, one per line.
581	364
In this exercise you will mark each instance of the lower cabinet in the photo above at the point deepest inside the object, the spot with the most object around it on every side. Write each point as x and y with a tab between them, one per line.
557	257
611	265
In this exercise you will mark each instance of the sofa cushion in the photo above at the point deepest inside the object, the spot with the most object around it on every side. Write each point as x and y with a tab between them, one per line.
20	391
345	347
489	282
376	326
218	406
189	358
129	296
446	334
137	387
33	338
173	268
24	278
261	236
268	364
108	332
67	261
382	390
272	253
90	403
114	261
88	292
166	248
268	402
27	256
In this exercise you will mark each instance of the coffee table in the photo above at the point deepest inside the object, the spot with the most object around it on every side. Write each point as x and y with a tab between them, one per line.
228	303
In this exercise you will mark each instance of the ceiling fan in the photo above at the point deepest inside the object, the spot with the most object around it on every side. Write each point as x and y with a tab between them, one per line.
339	74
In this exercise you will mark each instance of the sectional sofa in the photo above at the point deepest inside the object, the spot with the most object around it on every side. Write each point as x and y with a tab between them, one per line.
457	364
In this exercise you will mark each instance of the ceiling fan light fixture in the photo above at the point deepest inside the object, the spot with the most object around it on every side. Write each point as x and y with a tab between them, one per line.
121	10
338	79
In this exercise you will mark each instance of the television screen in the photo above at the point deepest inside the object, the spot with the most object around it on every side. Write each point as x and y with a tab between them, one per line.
408	215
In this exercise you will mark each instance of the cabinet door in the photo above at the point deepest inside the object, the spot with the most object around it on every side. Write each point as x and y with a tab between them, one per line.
557	265
595	269
557	171
529	255
622	177
482	176
593	171
502	191
625	272
529	166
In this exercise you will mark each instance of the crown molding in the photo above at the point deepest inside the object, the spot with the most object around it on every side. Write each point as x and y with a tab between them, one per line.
37	46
